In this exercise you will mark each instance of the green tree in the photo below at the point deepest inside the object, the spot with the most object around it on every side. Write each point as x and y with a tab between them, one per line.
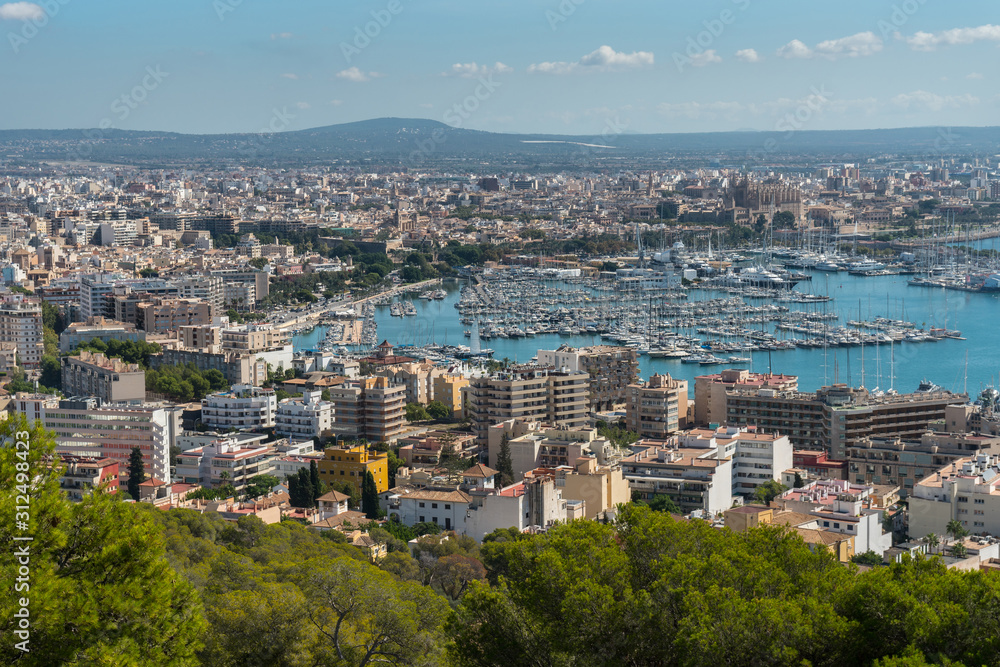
364	616
932	541
100	589
369	497
867	558
505	465
416	413
438	410
799	482
661	502
768	491
136	472
317	485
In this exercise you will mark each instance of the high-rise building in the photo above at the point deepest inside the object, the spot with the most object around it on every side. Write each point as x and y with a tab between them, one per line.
111	380
657	408
710	391
559	398
372	408
242	408
85	427
836	418
611	369
21	324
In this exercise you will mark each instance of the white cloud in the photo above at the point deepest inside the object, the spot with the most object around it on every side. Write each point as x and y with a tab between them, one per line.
928	41
705	58
795	49
356	75
473	70
973	75
303	105
604	59
921	100
289	75
853	46
21	11
336	103
748	55
281	35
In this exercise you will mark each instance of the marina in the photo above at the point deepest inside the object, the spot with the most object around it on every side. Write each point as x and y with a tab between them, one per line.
875	331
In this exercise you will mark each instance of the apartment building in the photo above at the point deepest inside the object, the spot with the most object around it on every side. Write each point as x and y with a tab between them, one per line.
550	448
170	314
477	507
837	417
757	458
710	391
371	408
966	490
210	289
242	408
559	398
599	487
306	417
85	427
417	377
238	368
82	474
111	380
98	328
229	459
351	463
657	408
905	462
611	370
694	479
450	390
21	324
839	506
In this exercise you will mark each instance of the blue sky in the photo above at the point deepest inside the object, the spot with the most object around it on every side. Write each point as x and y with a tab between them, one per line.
559	66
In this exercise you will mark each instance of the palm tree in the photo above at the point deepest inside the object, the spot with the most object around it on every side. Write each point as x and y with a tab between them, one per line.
932	540
224	476
956	529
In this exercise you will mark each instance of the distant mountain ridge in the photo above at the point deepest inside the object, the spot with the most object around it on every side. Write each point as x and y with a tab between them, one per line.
422	141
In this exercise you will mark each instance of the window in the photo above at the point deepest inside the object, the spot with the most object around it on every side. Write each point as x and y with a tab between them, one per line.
421	505
836	525
447	507
421	519
434	506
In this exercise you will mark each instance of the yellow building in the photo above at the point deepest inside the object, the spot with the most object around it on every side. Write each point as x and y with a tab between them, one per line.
352	463
448	390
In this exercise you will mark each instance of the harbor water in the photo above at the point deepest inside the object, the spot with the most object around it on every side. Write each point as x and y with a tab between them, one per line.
958	365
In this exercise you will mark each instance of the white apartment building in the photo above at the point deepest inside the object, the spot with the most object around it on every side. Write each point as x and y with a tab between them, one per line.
694	478
307	417
225	461
757	457
84	427
965	490
839	506
242	408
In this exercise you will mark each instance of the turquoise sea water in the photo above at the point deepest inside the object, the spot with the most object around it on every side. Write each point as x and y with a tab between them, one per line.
945	362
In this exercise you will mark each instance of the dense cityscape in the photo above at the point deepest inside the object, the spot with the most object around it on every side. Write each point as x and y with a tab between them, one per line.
395	391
